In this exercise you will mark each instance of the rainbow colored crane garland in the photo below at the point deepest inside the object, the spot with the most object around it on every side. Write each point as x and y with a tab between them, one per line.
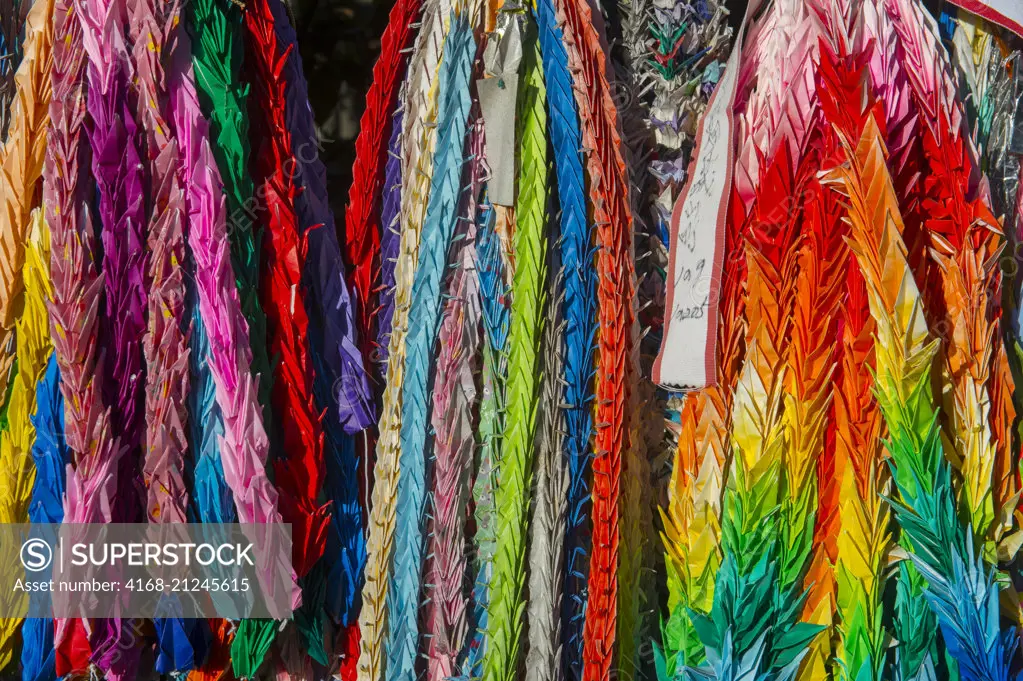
446	394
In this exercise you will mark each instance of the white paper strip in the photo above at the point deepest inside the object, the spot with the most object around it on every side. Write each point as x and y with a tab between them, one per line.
687	357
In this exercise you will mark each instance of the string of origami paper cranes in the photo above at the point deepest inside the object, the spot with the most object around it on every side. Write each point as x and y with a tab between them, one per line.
448	392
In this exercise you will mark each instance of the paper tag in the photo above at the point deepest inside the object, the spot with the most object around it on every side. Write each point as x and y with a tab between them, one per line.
1006	13
497	103
498	93
687	358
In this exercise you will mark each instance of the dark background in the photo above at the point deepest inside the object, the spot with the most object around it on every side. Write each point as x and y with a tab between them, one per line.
339	41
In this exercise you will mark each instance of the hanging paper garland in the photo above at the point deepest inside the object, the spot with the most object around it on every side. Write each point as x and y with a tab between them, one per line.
446	392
